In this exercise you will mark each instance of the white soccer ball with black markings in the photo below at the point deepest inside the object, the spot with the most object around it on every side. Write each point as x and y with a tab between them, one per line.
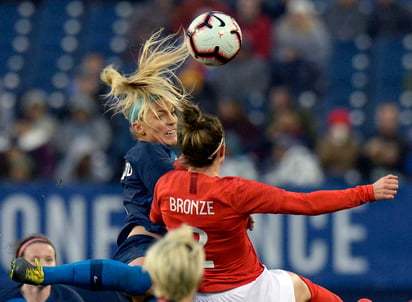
214	38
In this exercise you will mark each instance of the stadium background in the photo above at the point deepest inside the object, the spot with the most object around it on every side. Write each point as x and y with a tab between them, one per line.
361	252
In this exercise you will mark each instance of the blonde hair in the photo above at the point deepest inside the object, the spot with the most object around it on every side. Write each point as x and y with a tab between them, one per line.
153	81
175	264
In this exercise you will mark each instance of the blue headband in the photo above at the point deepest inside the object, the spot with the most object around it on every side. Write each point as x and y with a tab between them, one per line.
137	106
134	111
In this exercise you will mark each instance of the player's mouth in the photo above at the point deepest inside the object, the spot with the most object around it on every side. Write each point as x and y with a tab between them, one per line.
171	132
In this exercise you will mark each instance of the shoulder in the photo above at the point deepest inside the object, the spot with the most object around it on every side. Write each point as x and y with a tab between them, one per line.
236	186
146	149
173	175
234	180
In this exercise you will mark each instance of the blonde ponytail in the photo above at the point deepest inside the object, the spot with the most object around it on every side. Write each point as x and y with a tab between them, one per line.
155	76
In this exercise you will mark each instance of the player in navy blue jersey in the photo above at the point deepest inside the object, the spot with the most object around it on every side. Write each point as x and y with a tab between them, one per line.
150	99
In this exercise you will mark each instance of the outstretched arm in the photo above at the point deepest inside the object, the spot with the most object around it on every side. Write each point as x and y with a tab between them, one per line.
327	201
255	197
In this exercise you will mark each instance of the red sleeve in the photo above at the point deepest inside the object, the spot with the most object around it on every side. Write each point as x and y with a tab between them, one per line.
322	202
254	197
155	214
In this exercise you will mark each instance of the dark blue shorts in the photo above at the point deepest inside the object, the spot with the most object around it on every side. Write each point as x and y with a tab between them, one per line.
133	247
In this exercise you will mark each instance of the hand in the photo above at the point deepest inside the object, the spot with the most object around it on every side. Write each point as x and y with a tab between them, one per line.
386	187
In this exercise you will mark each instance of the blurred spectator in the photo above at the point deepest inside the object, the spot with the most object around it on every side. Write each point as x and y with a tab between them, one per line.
389	18
193	76
35	132
386	150
187	10
242	78
285	117
237	162
275	9
292	164
256	26
339	150
7	117
86	82
83	138
142	24
345	19
235	121
302	48
86	92
17	165
297	74
84	121
301	33
84	162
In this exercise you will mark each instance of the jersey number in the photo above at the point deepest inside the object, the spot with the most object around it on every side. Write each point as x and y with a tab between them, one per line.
127	171
203	240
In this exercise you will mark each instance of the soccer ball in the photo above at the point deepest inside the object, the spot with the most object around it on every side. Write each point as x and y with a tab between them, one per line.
214	38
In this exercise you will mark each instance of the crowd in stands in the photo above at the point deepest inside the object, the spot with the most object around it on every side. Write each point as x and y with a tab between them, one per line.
274	134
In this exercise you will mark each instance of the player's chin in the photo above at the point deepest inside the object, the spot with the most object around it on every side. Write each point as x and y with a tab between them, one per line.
170	140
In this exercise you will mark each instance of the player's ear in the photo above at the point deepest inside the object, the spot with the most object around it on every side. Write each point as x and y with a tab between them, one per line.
222	150
138	128
221	153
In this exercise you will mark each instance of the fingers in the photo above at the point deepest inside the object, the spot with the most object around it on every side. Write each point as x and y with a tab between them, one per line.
386	187
391	182
391	177
391	185
390	194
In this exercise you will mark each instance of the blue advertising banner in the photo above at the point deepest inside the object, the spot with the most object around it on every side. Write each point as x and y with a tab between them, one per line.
366	247
82	221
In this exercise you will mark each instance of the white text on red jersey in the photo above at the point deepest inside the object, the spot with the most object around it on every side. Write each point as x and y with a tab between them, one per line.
189	206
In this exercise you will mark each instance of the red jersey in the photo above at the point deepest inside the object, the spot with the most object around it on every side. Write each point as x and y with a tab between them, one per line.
219	208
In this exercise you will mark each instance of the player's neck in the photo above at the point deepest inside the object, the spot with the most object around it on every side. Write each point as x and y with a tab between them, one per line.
35	293
211	171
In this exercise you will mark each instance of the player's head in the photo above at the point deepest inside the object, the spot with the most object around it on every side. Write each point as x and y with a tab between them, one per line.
201	139
175	264
153	85
37	246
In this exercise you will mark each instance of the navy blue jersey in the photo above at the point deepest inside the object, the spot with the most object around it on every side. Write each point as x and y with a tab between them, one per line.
59	293
145	163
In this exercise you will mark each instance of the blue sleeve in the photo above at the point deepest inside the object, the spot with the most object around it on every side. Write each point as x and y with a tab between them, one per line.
99	274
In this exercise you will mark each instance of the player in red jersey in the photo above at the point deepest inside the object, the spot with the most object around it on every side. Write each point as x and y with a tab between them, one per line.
218	209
